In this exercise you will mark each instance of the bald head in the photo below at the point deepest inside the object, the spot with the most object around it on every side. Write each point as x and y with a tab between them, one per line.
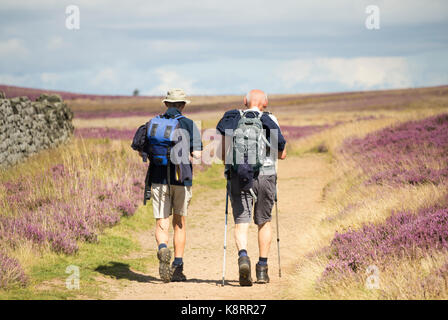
256	98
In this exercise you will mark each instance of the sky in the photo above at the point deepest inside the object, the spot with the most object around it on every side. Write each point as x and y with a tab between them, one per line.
223	47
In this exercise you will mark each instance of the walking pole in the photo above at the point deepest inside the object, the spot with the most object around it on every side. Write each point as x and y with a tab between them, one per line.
278	236
225	235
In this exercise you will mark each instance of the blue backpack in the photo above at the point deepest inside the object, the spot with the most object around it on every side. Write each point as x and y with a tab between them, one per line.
160	136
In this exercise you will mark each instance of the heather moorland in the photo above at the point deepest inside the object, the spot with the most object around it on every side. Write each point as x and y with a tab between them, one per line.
363	203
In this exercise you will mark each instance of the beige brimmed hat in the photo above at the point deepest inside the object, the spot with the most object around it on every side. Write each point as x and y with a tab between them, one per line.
176	95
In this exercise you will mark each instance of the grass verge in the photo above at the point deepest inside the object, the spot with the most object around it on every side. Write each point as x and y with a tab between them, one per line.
96	262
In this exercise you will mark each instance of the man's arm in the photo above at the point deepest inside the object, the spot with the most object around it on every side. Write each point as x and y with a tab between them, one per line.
271	122
223	148
139	141
282	154
195	143
195	155
228	121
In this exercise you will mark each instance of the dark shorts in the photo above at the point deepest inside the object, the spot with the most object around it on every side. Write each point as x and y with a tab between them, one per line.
264	189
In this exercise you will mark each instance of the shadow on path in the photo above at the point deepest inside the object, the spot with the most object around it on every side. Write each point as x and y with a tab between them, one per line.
120	270
194	280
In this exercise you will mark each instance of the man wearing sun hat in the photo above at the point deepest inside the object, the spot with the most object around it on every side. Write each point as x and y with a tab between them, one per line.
171	191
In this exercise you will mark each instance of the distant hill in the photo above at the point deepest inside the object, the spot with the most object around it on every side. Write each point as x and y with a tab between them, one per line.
13	91
90	105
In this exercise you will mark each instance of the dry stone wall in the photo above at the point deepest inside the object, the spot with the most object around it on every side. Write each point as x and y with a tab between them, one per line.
27	127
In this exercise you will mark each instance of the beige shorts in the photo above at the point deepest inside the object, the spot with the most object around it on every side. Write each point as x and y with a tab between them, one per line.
165	204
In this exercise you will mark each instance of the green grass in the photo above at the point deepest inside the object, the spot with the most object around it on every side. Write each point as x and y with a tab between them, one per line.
111	257
107	258
212	178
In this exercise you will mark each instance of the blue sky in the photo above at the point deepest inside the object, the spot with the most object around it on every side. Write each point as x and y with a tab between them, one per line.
223	47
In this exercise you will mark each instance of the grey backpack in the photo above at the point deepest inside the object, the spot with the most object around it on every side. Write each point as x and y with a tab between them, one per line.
248	138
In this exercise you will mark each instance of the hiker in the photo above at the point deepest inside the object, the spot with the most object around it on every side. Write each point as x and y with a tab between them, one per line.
252	185
169	182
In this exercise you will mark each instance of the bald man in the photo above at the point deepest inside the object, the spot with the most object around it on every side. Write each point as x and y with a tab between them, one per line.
262	194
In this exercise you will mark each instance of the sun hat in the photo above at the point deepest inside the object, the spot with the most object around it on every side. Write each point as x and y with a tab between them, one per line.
176	95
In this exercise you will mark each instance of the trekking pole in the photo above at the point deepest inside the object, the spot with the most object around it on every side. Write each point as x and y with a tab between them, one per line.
225	235
278	236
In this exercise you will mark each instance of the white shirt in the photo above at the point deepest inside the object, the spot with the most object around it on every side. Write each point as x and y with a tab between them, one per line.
274	118
269	165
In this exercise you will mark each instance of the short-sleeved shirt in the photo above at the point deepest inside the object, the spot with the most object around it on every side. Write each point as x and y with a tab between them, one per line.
230	121
158	173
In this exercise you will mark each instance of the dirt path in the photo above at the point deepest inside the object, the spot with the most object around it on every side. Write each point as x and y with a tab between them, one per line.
301	181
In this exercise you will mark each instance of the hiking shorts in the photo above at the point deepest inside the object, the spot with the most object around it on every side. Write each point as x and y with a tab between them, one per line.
264	188
164	203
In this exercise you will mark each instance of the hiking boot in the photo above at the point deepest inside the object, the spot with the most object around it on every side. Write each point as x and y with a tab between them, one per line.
177	274
262	273
244	267
164	256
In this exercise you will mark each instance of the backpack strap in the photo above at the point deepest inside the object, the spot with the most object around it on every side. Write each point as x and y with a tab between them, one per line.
168	171
179	116
257	114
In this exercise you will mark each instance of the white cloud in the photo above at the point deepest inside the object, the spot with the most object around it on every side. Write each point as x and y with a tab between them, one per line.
49	78
167	46
172	79
221	47
55	43
13	48
105	77
17	80
352	73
